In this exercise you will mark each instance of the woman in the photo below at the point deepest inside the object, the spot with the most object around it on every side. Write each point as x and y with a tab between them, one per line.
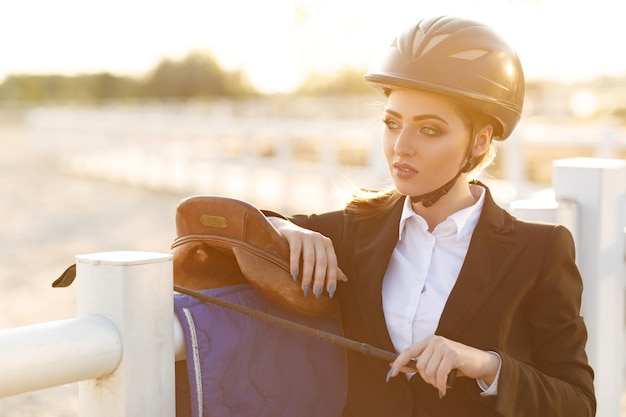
434	269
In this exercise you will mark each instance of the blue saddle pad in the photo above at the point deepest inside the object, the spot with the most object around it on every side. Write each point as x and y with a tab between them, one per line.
242	366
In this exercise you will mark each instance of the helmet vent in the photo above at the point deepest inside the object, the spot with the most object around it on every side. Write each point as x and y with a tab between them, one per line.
417	42
435	40
470	54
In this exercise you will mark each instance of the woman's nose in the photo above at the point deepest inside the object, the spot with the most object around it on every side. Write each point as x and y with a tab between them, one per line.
403	145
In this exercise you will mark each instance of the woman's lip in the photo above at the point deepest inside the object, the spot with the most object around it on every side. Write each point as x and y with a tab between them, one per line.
404	167
404	171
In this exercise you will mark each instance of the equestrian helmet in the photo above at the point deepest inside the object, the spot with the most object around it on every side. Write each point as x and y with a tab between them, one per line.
460	58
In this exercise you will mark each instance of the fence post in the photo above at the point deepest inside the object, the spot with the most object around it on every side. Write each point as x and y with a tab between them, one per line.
564	212
599	187
134	291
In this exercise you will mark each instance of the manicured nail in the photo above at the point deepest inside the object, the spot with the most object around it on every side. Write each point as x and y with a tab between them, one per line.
331	290
306	290
318	292
294	274
440	395
388	375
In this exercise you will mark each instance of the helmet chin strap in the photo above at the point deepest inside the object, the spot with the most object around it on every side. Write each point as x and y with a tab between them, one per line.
432	197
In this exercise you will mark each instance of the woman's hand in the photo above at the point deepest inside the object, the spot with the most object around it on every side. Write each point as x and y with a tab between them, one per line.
316	254
436	357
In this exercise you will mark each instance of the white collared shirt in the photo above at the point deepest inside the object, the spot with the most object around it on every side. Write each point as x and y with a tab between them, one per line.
422	271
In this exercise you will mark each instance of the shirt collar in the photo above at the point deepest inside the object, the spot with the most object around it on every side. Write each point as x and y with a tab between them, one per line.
465	219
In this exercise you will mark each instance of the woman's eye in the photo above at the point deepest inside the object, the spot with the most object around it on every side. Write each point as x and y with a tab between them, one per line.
391	124
429	131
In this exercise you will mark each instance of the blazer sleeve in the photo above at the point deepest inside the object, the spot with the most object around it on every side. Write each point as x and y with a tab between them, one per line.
329	224
559	382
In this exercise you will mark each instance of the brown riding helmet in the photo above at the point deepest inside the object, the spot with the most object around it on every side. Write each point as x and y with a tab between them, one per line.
461	58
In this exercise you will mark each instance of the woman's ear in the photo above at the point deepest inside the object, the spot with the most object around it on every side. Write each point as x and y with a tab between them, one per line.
482	140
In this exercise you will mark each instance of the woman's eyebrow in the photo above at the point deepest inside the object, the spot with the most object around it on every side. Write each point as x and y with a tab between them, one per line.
393	113
417	118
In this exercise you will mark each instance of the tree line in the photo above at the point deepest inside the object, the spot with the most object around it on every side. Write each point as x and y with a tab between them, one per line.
198	75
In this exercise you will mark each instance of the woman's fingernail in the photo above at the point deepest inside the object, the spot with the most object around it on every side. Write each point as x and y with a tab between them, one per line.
318	292
294	274
331	290
440	395
305	290
388	375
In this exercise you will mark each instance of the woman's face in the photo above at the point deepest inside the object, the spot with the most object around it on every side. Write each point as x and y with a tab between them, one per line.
425	141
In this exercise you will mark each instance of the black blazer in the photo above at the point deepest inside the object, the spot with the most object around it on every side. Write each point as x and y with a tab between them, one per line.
518	293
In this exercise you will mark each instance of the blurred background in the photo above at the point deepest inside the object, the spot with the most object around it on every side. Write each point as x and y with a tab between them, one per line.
112	112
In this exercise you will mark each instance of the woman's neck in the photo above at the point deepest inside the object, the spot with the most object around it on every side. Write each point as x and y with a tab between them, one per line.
459	197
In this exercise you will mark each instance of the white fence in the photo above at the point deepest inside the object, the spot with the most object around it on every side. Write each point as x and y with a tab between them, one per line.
589	199
254	156
273	154
121	347
123	344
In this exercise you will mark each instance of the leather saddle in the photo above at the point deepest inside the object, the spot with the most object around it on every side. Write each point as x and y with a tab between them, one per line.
223	241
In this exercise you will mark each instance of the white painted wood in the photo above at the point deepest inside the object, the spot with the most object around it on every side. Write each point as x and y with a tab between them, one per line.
179	340
134	291
61	352
564	212
599	187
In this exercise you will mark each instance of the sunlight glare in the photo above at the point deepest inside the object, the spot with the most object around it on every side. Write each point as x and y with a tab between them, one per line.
279	43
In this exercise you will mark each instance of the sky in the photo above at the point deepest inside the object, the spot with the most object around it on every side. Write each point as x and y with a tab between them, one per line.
278	43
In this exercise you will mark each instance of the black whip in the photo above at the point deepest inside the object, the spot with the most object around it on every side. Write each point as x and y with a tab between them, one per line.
333	338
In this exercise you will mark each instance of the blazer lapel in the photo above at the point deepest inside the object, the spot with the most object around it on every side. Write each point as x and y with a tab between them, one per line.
491	253
375	240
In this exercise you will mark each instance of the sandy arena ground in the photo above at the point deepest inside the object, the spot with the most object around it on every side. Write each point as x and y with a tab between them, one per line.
46	219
